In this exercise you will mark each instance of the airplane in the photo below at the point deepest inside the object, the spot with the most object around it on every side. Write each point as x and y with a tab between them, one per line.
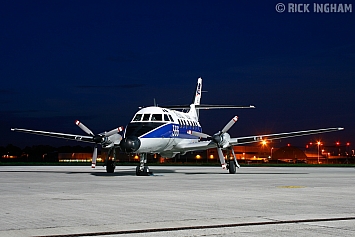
168	132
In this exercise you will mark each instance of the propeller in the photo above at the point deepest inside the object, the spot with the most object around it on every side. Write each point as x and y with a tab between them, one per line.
221	139
102	138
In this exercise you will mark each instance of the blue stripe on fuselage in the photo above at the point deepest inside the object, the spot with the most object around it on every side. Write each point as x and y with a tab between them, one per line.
167	131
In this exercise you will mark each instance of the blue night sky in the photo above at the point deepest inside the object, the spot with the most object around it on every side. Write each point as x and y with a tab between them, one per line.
98	61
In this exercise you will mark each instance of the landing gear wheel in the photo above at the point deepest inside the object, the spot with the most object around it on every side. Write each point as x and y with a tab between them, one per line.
232	167
145	171
110	166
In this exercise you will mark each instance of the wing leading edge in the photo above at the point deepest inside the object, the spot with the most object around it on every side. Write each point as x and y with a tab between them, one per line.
57	135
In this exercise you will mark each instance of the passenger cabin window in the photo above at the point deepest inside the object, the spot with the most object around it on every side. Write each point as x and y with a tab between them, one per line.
146	117
138	117
157	117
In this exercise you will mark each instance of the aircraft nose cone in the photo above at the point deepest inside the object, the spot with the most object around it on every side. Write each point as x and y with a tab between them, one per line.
130	144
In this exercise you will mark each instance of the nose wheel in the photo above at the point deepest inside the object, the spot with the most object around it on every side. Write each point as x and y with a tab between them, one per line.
142	169
144	172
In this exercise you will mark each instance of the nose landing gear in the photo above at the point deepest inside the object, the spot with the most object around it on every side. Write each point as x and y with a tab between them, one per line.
142	169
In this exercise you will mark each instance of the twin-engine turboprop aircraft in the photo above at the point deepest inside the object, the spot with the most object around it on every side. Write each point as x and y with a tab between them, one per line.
169	132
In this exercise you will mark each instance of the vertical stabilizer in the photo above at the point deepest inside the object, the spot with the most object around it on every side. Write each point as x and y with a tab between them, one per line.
193	111
198	92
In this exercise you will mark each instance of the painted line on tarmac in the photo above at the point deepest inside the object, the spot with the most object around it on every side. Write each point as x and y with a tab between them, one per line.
291	186
200	227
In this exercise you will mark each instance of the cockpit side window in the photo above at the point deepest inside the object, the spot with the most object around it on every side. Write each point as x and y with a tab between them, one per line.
166	118
157	117
146	117
138	117
171	118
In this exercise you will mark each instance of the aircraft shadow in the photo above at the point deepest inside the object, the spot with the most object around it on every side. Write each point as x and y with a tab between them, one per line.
133	173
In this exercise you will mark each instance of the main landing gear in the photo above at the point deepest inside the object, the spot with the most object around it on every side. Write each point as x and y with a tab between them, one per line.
232	164
111	163
142	169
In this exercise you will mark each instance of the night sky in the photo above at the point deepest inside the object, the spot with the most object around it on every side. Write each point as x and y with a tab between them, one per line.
98	61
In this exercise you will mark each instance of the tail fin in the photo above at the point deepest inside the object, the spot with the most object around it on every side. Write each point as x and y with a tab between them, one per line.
198	92
193	111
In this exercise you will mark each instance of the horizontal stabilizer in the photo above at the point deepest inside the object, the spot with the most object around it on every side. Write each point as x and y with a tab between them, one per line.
211	107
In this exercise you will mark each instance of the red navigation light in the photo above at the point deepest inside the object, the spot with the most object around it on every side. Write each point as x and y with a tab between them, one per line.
288	144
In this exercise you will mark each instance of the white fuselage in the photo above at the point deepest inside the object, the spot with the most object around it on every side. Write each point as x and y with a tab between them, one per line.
160	130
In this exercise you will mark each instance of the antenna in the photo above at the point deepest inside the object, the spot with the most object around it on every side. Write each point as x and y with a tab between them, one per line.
155	103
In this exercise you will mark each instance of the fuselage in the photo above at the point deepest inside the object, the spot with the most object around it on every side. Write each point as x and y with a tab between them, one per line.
160	130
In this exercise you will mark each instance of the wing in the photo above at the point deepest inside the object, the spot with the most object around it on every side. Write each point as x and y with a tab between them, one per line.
252	139
57	135
203	145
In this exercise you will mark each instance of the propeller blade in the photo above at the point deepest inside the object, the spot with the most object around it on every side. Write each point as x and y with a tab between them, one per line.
84	128
221	158
94	157
230	124
198	134
114	131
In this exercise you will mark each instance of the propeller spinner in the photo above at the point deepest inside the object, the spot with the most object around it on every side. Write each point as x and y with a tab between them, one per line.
99	138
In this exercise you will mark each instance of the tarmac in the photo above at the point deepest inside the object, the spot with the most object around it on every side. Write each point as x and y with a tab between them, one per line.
177	201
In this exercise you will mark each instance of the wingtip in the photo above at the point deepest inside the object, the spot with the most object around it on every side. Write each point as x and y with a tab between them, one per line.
340	128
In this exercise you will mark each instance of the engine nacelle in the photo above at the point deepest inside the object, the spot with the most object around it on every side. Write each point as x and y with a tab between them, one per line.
112	140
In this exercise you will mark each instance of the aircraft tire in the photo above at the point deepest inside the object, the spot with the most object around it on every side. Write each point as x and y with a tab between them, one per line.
232	167
145	171
110	167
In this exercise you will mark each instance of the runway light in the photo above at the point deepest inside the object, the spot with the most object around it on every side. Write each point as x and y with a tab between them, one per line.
211	156
198	157
263	142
